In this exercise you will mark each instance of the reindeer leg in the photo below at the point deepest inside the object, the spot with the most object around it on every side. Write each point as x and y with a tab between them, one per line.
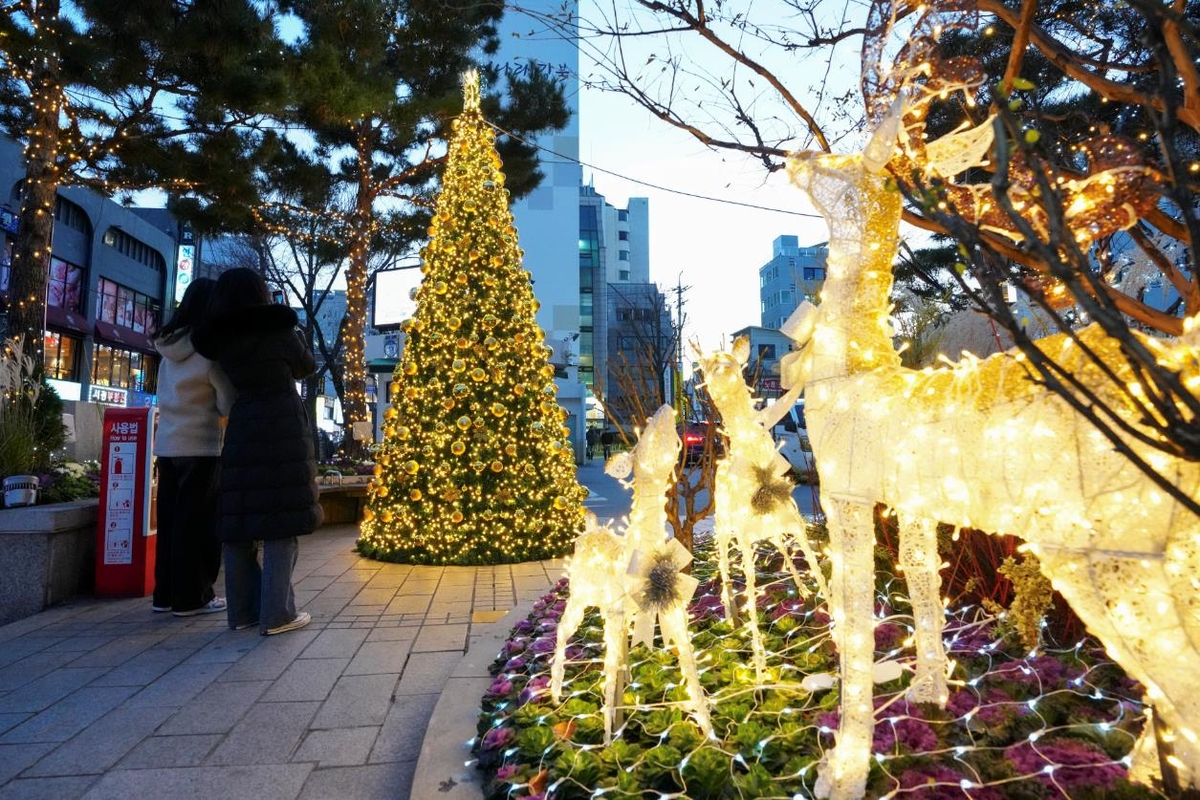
1127	602
723	534
571	618
674	625
795	521
757	648
616	659
843	775
919	559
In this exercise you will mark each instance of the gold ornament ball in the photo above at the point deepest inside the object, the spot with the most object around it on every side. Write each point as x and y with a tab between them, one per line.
458	448
499	409
410	368
497	466
410	467
440	287
454	323
456	517
478	374
386	516
561	503
463	422
491	343
391	413
458	366
510	449
414	495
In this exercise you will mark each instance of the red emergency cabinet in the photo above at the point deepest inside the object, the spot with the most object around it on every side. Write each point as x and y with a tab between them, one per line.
125	542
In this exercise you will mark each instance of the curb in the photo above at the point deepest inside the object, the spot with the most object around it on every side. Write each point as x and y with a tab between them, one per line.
446	766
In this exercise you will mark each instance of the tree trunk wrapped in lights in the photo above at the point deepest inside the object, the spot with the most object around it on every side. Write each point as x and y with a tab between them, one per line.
475	467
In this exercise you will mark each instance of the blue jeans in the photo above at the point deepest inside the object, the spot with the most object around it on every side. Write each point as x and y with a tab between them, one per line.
261	594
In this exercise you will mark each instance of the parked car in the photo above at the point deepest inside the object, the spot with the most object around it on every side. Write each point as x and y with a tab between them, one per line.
695	433
792	435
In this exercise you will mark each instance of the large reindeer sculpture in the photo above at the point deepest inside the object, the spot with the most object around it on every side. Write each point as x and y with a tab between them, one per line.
981	445
751	470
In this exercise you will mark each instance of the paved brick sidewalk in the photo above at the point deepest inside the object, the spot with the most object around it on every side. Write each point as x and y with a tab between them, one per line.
104	699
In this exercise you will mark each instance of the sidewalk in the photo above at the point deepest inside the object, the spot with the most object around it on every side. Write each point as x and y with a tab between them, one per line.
105	699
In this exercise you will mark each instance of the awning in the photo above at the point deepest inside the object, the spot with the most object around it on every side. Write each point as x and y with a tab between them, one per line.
124	337
377	366
72	321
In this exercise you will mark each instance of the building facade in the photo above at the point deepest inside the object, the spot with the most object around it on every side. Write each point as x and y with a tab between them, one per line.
794	274
767	347
626	337
112	273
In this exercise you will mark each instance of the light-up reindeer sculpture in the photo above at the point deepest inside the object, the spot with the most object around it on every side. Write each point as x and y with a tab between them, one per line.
753	497
980	445
634	579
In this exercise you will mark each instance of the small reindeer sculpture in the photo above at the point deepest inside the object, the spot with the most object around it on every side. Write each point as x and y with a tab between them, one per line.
751	469
634	579
981	445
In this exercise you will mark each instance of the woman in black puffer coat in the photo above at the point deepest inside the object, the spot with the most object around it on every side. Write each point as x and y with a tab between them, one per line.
268	472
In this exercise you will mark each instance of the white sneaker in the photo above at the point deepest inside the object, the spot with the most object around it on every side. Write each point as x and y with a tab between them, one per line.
211	607
302	619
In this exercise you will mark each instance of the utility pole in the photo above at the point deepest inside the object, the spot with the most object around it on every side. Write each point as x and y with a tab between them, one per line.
680	404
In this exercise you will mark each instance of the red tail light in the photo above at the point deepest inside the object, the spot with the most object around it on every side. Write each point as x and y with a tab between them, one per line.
692	438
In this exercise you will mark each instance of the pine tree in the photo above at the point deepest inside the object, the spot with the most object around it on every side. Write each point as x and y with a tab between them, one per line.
475	466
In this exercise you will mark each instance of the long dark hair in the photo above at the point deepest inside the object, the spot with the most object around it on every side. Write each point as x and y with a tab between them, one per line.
192	311
237	289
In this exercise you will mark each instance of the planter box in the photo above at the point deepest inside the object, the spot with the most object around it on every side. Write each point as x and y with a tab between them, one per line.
47	554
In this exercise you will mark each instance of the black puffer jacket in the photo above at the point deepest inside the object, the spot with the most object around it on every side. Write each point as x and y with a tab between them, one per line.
268	473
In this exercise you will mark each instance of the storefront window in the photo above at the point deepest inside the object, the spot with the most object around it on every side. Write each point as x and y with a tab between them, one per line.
127	369
61	353
127	308
64	286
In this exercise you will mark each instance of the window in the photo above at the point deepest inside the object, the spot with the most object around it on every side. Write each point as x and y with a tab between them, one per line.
5	262
61	352
70	215
623	274
64	286
126	369
814	274
766	352
136	249
123	306
622	215
622	255
623	236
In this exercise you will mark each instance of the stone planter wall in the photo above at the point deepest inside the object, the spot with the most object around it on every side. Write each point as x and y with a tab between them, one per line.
47	554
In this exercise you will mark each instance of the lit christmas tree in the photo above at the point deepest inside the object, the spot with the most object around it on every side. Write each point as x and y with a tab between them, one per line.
475	466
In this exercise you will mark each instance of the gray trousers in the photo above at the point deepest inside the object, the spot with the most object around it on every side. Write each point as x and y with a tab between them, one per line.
261	594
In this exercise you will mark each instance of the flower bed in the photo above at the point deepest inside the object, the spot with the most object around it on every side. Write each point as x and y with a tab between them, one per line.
1049	724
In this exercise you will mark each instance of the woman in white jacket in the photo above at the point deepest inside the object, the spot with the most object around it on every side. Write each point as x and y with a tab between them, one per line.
193	398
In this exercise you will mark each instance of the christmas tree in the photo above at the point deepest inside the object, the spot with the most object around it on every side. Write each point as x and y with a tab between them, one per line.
475	466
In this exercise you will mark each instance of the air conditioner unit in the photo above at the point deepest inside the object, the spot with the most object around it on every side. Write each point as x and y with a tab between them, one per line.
110	237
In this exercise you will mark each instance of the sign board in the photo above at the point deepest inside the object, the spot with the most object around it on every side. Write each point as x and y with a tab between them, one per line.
124	547
108	395
395	298
185	263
